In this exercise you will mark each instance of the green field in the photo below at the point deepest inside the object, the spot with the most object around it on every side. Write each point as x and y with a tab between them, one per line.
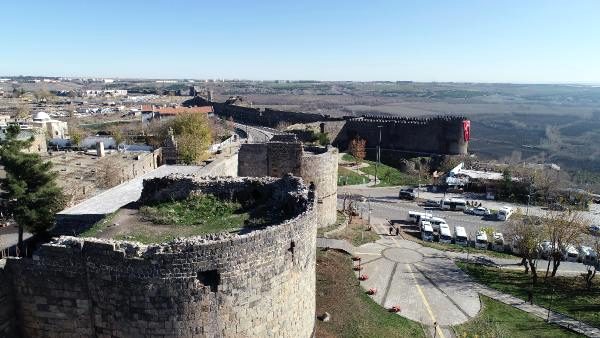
386	175
567	295
497	319
350	177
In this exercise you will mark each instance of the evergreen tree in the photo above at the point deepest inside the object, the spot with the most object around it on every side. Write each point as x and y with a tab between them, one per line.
29	187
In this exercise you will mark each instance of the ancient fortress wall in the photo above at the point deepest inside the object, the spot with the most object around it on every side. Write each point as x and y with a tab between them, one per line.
316	165
267	117
320	166
7	306
257	284
439	135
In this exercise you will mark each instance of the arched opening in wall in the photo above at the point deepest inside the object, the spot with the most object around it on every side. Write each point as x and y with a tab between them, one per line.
210	278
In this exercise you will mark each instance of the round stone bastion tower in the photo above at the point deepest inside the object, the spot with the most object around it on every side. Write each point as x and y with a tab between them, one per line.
257	282
283	154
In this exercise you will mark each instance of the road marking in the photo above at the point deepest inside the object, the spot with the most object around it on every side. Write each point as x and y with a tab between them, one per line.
368	253
425	301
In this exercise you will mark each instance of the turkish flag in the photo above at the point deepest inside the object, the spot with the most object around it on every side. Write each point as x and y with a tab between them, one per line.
467	130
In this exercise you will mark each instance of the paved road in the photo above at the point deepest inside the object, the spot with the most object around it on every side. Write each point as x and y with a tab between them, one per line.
256	134
426	284
391	193
389	207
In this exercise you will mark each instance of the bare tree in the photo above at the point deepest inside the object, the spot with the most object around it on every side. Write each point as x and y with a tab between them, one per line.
357	148
562	229
527	234
22	112
593	263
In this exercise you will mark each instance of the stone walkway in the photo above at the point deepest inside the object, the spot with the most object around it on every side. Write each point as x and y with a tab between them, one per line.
429	287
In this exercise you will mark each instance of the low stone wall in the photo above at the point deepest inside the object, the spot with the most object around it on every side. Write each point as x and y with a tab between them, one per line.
256	284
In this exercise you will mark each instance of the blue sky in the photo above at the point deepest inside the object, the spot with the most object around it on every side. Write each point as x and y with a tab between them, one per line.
475	41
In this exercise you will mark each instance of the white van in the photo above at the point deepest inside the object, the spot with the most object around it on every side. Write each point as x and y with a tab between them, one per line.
498	243
454	204
445	234
570	253
461	236
436	222
415	216
427	232
587	255
481	240
504	213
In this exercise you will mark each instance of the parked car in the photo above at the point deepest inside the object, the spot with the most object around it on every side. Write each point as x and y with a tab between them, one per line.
595	229
461	236
498	243
481	240
427	232
431	204
407	194
570	253
481	211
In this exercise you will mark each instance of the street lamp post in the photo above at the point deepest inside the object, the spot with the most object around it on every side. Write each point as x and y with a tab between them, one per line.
378	155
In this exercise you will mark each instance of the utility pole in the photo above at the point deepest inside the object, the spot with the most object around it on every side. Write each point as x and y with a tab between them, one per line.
378	155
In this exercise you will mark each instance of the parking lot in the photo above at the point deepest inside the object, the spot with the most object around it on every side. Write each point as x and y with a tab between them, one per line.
386	204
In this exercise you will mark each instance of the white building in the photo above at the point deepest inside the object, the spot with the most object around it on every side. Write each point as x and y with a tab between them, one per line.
54	128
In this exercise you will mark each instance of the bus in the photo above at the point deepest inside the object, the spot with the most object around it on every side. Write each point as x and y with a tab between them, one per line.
454	204
415	216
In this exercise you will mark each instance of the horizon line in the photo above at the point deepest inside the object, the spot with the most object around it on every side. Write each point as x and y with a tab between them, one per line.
584	83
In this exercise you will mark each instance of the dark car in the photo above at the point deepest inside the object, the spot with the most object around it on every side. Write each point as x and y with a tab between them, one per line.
431	204
406	194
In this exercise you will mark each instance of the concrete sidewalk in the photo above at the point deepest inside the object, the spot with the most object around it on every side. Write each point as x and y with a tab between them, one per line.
429	287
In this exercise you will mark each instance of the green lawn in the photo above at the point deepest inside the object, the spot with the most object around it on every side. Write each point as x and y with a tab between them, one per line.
350	177
386	175
98	226
353	312
340	218
567	295
389	176
500	320
357	233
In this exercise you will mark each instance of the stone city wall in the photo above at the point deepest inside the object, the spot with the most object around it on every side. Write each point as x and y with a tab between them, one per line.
257	284
438	135
264	117
441	135
7	306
